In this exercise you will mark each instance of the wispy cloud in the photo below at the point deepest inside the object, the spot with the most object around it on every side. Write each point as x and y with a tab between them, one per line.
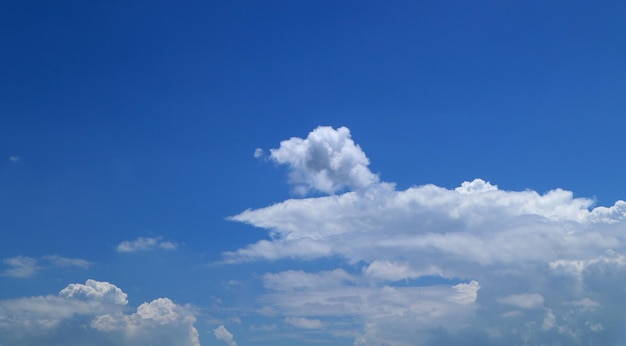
14	158
24	266
60	261
21	266
145	244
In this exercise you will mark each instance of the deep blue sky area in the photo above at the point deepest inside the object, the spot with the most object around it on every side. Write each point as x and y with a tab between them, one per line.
129	119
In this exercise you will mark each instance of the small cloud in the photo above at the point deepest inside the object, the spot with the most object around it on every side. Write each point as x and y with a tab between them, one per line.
145	244
21	267
14	158
221	333
258	153
304	323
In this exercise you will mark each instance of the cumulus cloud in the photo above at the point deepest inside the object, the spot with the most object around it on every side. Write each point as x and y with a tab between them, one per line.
96	291
24	266
145	244
327	160
434	265
221	333
95	313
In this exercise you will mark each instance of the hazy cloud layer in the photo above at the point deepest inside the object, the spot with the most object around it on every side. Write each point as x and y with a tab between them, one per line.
94	313
522	267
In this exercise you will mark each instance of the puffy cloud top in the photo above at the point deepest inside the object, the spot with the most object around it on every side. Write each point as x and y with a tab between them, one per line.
95	290
94	313
327	160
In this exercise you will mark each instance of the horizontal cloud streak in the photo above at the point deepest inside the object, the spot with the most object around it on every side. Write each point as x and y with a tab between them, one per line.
145	244
24	266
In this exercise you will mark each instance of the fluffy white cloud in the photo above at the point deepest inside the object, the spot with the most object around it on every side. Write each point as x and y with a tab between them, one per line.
24	266
221	333
94	313
327	160
145	244
96	291
552	265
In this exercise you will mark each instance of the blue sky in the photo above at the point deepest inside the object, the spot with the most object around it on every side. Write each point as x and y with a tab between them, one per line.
426	172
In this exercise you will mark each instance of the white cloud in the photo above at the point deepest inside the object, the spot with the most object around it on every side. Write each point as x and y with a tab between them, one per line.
327	160
258	153
94	313
14	158
159	322
554	265
221	333
305	323
145	244
95	290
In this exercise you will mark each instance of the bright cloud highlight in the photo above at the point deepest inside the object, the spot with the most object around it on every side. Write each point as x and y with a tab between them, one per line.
430	265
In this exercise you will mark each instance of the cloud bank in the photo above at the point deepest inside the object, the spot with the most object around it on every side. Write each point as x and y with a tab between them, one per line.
430	265
95	313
